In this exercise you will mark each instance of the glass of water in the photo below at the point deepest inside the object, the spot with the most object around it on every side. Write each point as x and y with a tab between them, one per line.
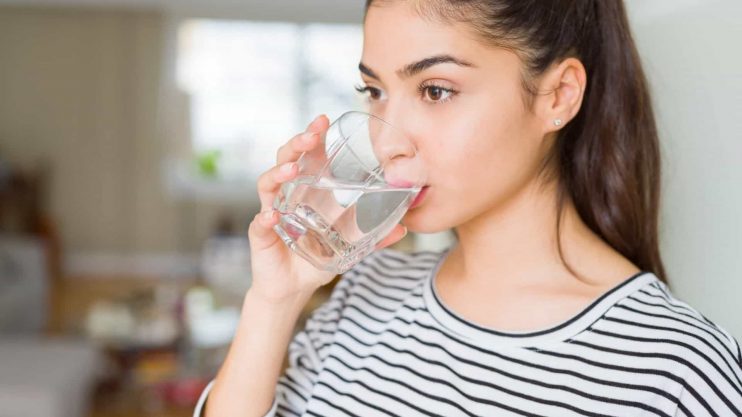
350	193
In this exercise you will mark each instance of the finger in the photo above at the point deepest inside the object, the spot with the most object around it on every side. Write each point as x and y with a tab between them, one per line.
319	123
270	181
260	232
304	141
291	150
395	236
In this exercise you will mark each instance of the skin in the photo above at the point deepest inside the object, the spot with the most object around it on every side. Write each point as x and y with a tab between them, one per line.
482	149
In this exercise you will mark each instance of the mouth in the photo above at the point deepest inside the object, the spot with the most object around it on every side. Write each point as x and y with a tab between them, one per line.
420	197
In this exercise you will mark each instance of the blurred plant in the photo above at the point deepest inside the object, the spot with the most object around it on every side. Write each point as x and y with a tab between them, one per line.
208	163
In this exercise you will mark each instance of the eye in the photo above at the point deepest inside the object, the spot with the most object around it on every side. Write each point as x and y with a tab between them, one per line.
431	93
435	93
373	93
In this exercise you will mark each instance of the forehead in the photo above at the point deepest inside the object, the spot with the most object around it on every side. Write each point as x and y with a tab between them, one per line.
395	30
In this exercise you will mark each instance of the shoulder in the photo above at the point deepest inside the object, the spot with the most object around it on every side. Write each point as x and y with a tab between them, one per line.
678	331
686	317
398	260
384	271
665	336
390	272
395	267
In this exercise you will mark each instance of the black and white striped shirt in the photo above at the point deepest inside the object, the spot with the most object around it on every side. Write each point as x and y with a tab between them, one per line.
385	345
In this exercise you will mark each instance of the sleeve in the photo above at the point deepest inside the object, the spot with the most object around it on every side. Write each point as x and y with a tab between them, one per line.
713	389
306	352
201	404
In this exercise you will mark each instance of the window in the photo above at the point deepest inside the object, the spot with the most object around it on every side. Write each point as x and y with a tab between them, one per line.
253	85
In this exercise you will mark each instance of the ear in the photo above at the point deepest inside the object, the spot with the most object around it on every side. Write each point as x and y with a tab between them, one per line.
564	87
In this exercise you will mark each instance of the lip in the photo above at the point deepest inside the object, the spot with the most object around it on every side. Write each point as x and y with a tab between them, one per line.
420	197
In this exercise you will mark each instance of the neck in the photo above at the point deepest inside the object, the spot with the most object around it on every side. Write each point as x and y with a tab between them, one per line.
514	245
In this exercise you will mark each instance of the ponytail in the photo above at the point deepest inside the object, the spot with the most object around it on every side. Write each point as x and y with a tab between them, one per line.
609	155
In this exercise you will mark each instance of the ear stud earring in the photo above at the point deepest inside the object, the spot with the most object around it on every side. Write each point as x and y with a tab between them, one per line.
557	122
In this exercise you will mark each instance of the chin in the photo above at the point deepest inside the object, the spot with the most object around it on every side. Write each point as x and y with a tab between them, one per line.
423	219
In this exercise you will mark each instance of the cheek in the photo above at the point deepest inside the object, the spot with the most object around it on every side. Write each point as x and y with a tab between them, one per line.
481	157
479	146
474	165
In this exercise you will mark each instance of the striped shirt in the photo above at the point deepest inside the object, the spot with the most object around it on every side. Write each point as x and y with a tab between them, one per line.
385	344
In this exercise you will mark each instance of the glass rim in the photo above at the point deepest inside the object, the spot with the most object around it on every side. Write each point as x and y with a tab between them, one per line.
377	172
395	129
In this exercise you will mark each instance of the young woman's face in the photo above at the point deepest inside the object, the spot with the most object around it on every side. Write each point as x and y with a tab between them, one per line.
467	119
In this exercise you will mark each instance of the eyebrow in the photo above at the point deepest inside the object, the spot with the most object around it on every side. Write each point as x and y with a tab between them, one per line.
417	67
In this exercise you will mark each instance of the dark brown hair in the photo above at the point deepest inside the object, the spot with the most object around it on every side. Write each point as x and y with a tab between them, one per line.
606	159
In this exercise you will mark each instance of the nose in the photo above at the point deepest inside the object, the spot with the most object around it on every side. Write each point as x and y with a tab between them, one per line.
389	141
396	153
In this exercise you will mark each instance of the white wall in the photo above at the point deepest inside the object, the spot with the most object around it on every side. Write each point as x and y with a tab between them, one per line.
692	56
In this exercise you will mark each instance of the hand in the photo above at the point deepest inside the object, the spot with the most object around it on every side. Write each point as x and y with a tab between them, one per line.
278	273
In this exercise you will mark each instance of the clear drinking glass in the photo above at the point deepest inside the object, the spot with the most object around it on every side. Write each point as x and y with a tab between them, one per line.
350	193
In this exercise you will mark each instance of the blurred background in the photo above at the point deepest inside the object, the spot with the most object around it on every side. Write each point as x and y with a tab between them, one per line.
131	136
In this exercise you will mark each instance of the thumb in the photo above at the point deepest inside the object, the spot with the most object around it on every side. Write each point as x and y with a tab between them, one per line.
395	236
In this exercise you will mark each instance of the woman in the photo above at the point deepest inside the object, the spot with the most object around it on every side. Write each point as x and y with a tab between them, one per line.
534	120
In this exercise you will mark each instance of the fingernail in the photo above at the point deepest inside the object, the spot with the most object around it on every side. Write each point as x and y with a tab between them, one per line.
308	136
268	215
286	168
405	232
317	118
